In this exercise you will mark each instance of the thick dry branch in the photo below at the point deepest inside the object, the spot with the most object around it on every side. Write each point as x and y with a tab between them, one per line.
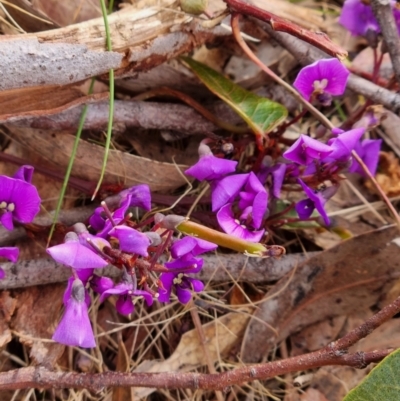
147	115
217	268
307	54
141	39
384	15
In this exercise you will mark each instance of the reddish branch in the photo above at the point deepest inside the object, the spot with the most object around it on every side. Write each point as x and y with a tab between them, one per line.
333	354
318	39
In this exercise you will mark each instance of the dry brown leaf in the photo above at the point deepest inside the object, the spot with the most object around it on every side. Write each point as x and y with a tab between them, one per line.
220	335
345	279
36	317
122	168
316	336
388	176
7	309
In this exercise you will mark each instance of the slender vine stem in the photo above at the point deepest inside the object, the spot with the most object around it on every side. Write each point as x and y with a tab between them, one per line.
111	103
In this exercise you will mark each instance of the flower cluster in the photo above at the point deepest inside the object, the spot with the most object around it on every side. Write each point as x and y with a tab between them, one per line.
19	202
114	239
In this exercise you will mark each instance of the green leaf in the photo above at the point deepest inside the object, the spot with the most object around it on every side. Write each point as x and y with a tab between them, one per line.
381	384
261	114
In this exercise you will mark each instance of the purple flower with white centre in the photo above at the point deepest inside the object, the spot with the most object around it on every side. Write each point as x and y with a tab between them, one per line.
73	254
368	150
74	328
84	279
210	167
10	253
307	149
358	18
324	78
131	240
183	284
344	143
24	173
225	191
316	200
126	291
19	200
235	227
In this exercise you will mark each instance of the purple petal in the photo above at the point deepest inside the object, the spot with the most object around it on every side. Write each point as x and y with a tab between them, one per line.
131	240
304	208
259	209
210	168
101	284
190	265
344	143
306	149
11	253
231	226
146	295
74	328
24	173
368	150
7	221
184	295
75	255
124	305
225	190
191	245
167	280
140	196
197	285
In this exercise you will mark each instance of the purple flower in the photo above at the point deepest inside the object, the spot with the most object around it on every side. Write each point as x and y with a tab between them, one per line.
74	328
131	240
19	200
183	284
11	253
126	291
235	227
344	143
325	78
307	149
210	167
358	18
73	254
368	150
316	200
70	285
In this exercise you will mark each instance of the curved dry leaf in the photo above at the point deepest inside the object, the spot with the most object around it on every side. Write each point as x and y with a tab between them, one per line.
350	277
122	168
